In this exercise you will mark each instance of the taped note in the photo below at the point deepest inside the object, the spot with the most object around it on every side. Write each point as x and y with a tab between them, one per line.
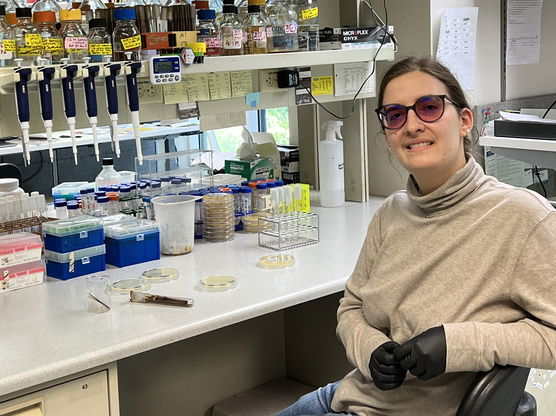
241	83
322	85
197	86
219	85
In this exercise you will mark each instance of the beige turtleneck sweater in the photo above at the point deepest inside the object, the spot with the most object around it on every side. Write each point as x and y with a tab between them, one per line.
475	255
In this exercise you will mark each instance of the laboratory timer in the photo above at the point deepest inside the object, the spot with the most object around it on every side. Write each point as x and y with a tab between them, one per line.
165	69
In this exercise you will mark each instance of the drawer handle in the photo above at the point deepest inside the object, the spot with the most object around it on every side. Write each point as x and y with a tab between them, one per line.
30	408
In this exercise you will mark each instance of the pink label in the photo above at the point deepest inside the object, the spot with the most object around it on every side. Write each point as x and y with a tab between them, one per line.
291	28
76	43
212	42
238	34
259	35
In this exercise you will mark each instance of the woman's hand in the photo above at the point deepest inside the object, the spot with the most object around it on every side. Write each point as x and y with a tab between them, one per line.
424	355
386	372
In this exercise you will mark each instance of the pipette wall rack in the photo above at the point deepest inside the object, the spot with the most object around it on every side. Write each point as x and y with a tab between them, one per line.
288	231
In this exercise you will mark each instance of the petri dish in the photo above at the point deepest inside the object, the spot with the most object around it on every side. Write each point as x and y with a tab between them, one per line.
216	283
124	286
276	261
162	275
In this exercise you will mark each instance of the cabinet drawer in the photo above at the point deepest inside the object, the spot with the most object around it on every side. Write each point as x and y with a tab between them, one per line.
85	396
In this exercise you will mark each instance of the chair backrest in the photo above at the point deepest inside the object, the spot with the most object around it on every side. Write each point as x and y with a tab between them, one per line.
496	392
9	170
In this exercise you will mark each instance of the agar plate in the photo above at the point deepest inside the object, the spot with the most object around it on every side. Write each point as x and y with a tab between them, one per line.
124	286
216	283
162	275
276	261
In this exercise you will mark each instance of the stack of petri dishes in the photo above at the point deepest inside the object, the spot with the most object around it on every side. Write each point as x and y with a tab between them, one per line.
251	223
218	217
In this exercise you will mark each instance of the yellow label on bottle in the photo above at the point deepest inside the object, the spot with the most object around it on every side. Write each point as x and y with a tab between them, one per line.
132	42
9	45
310	13
53	45
28	51
100	49
33	40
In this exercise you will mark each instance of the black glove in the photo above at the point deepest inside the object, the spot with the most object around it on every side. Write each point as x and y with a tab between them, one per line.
387	374
424	355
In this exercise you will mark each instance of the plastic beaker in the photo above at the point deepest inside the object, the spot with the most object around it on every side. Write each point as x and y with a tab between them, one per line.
175	216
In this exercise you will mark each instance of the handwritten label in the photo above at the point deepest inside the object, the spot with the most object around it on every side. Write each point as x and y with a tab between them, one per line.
100	49
53	45
28	51
259	35
212	42
132	42
76	44
229	42
33	40
290	28
9	45
4	54
310	13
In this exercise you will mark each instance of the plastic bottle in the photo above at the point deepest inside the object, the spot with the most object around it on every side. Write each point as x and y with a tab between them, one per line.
28	41
231	32
126	35
282	31
246	204
308	28
108	176
331	165
76	44
52	42
10	187
7	42
208	32
255	26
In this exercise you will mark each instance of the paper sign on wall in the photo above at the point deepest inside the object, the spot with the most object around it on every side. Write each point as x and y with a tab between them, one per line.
241	83
322	85
349	77
220	85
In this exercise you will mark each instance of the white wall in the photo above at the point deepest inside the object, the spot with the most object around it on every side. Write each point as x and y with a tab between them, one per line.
537	79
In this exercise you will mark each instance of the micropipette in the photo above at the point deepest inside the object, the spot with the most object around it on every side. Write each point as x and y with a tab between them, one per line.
132	68
22	77
112	101
68	74
89	87
45	76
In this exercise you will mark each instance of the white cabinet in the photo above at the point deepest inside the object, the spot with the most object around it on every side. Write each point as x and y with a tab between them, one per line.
84	396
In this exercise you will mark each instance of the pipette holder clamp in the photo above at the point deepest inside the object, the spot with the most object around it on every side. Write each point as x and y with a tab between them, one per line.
288	231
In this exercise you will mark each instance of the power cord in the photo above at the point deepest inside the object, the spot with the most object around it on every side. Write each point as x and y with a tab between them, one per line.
538	175
387	35
548	109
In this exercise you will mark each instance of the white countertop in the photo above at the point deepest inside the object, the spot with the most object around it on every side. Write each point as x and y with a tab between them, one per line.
46	333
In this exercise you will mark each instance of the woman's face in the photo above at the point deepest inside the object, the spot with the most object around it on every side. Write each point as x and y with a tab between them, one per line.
432	152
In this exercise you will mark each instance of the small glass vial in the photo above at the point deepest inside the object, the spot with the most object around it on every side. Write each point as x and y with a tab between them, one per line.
7	42
259	197
102	206
165	183
28	41
246	204
127	37
113	204
231	32
76	44
61	209
73	209
175	186
52	42
208	32
100	41
255	26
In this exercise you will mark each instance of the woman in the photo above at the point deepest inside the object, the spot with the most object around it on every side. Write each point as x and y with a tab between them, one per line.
457	273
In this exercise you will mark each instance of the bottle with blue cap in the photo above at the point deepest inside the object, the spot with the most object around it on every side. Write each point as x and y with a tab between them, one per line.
127	37
208	32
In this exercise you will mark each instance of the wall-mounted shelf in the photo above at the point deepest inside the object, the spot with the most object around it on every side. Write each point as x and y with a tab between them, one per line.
534	151
291	59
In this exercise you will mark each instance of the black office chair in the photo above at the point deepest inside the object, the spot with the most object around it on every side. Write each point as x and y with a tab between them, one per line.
499	392
9	170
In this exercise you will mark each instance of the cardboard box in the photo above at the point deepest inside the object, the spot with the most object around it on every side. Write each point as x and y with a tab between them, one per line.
261	168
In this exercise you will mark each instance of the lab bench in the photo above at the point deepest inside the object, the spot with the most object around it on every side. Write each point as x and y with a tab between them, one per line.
275	323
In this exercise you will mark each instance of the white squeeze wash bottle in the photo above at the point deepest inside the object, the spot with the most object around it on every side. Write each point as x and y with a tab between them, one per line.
331	165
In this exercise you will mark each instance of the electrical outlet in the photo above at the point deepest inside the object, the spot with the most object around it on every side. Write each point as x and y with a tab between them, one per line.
268	80
149	93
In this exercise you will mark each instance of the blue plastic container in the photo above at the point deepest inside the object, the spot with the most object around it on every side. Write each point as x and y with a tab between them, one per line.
77	263
132	242
73	234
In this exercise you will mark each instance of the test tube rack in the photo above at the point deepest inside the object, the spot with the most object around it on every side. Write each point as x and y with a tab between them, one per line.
288	231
